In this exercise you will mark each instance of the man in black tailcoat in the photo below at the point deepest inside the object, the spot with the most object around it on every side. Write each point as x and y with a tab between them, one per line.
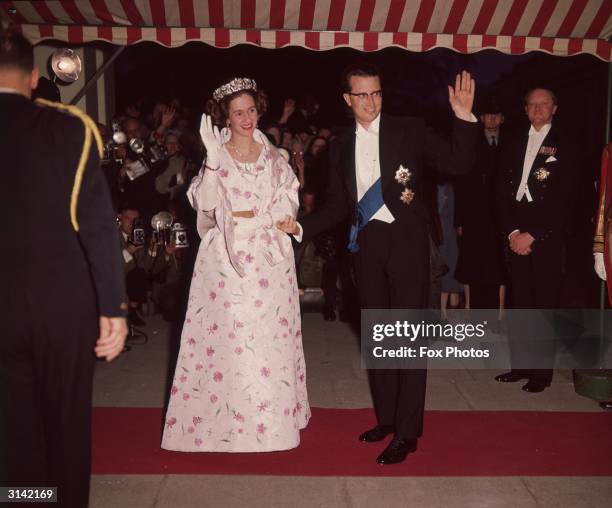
385	157
535	196
62	283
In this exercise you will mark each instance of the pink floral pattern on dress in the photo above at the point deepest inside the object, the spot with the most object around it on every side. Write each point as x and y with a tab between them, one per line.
239	383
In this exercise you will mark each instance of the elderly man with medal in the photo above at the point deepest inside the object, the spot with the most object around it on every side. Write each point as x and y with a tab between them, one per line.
535	198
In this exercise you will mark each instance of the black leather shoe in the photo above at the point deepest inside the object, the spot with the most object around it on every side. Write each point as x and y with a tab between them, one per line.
378	433
606	404
397	451
535	385
510	377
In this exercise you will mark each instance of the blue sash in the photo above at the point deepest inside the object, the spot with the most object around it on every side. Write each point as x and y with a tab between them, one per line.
368	205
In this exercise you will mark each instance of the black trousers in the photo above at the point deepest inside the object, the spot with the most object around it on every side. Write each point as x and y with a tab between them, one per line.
329	281
484	296
535	284
137	284
392	272
46	370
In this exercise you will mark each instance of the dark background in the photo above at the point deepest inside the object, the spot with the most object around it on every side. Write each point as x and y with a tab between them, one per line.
415	83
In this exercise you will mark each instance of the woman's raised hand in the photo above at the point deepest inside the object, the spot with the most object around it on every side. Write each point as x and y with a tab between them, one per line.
212	141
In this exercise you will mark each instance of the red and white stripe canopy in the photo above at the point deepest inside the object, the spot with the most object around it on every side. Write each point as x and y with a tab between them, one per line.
559	27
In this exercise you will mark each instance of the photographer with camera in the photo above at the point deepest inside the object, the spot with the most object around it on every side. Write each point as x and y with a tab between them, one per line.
150	264
173	259
112	161
141	163
138	260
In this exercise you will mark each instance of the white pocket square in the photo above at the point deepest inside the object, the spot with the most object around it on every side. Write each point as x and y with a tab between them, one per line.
551	159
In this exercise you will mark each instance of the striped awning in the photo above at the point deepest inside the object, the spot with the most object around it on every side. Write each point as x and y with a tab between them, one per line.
559	27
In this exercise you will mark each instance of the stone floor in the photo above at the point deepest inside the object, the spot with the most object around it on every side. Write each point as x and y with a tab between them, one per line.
335	379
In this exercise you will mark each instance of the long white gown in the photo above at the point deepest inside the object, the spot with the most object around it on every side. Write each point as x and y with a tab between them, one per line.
240	379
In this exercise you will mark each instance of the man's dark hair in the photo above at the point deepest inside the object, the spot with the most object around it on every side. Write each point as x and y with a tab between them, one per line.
125	205
361	69
16	52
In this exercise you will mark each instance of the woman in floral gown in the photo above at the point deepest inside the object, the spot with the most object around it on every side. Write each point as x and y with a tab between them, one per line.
239	384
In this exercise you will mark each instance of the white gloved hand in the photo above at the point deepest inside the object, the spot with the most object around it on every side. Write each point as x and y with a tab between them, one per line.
600	266
212	141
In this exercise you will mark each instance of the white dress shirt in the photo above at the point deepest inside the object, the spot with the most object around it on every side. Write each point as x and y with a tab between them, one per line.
367	167
127	257
492	137
367	164
533	147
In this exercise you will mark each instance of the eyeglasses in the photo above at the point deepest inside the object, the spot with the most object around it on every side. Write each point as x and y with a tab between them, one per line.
363	96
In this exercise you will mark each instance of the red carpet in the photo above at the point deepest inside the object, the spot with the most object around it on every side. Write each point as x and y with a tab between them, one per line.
456	443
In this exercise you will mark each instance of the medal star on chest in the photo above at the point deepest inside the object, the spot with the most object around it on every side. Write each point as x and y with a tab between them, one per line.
541	174
403	175
407	196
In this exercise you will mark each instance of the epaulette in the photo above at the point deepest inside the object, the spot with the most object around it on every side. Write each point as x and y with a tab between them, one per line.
91	129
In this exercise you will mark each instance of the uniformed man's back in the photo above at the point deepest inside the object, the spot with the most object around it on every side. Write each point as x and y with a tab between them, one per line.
62	282
40	148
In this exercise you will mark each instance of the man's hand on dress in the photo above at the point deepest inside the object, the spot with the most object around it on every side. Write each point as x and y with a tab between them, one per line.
113	331
289	226
461	97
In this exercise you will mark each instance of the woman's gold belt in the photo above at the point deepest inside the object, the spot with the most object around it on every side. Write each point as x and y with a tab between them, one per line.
245	214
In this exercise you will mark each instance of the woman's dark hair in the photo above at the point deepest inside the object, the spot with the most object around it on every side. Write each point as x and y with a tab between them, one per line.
361	69
220	110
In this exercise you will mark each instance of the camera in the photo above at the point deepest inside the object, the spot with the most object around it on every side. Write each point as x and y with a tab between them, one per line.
110	149
180	236
166	231
138	233
147	153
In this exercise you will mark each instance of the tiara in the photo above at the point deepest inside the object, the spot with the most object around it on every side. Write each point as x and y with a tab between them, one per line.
235	85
